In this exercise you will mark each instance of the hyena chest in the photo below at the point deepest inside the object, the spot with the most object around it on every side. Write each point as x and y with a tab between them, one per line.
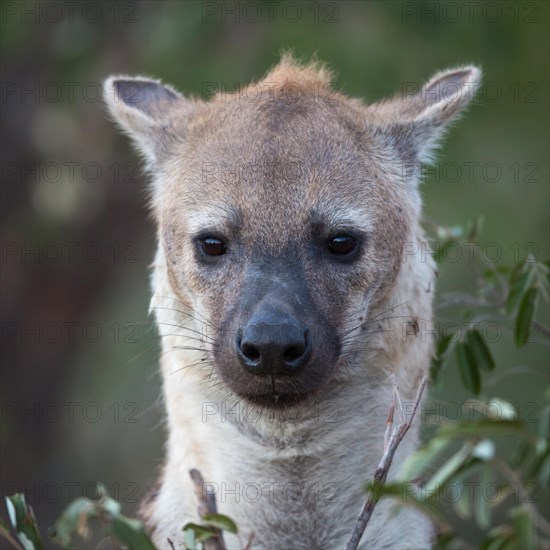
292	503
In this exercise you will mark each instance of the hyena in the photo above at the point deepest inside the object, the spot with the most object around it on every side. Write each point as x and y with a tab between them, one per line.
287	295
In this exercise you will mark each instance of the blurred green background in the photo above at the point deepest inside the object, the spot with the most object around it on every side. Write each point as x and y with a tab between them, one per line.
80	390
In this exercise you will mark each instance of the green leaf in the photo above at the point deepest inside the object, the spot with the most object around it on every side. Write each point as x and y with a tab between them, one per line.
539	468
441	353
480	350
524	318
468	367
543	478
524	527
463	506
498	540
132	533
417	463
221	522
74	519
521	455
201	532
108	505
443	344
541	273
23	521
189	540
451	467
517	291
544	423
482	508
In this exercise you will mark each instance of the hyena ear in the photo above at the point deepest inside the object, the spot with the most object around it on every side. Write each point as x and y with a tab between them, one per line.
146	110
417	120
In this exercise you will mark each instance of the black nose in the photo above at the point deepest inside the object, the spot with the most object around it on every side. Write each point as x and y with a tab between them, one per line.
267	348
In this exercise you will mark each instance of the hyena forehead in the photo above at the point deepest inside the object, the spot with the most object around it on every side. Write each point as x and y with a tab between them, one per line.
277	147
317	168
334	140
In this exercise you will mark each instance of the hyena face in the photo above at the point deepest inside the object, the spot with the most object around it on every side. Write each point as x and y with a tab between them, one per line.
283	211
281	235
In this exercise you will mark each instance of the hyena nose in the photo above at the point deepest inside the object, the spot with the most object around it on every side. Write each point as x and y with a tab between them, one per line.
265	348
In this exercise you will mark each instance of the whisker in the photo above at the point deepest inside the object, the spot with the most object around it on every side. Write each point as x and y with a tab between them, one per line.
186	328
182	348
200	363
184	305
188	315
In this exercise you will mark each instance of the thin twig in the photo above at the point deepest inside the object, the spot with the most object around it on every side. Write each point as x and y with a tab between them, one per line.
207	505
524	496
381	472
541	328
7	535
248	544
389	427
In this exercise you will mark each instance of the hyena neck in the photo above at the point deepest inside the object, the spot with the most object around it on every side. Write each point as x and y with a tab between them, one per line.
256	463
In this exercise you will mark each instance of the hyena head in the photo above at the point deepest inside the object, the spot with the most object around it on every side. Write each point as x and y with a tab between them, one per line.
283	210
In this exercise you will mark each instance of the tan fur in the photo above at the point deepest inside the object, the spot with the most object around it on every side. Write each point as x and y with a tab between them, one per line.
264	168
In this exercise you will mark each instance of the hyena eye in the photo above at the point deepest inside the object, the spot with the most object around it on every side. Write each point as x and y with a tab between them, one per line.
212	246
342	244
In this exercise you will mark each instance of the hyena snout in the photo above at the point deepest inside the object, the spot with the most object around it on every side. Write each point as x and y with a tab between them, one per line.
273	342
